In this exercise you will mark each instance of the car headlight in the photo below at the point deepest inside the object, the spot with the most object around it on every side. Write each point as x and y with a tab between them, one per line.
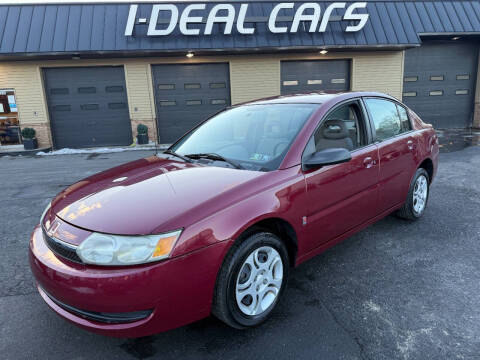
114	250
45	212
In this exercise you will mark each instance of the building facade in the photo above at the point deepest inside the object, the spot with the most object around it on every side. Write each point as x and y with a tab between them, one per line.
86	75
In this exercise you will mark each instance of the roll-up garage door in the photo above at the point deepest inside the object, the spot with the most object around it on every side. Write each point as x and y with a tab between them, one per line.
188	94
316	75
439	83
88	106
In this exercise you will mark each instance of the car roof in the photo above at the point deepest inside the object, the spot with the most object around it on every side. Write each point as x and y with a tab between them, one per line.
320	97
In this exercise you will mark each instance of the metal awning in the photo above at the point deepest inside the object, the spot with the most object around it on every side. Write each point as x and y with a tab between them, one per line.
63	29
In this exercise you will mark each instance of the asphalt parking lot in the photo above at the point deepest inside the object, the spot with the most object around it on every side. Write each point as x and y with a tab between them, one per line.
397	290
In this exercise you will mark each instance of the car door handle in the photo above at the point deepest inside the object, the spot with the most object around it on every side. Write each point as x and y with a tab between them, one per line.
410	144
368	162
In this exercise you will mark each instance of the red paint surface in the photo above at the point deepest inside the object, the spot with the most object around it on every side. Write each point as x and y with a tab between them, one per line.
214	206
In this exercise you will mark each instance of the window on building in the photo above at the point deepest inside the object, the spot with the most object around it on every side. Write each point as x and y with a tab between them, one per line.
89	107
114	88
192	86
87	90
167	103
166	86
62	108
221	85
59	91
117	106
218	102
9	125
385	118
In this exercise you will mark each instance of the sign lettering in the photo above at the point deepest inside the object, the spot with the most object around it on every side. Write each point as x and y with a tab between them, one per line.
188	21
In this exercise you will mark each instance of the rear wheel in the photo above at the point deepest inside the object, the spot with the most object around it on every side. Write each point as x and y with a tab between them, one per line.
251	281
417	198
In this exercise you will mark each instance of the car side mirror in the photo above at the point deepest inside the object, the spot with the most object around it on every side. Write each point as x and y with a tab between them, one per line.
326	157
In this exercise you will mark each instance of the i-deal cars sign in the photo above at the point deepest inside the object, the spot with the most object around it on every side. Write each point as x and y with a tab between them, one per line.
227	15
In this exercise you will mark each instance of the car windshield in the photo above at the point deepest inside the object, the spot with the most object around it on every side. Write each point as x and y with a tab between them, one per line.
253	137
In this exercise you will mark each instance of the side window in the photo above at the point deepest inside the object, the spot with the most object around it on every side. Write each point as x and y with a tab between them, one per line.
342	128
385	118
406	125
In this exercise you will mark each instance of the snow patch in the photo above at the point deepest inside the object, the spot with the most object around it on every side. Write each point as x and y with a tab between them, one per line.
68	151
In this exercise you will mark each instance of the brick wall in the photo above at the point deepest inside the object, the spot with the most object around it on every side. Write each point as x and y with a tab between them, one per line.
43	133
140	97
254	77
383	73
25	79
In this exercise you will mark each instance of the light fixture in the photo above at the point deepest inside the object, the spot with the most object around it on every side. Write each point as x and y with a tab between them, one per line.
456	38
323	52
190	54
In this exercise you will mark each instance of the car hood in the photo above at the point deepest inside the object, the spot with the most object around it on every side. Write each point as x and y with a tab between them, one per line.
150	195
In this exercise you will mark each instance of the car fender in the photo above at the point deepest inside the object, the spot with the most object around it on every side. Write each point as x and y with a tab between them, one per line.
231	222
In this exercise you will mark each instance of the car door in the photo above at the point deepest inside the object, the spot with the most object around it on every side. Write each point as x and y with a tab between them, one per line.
341	196
397	145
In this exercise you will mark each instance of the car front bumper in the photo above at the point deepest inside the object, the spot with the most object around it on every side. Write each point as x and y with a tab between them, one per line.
128	301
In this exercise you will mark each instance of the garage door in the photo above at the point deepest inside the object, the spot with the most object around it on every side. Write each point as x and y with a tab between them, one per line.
88	106
188	94
307	76
439	83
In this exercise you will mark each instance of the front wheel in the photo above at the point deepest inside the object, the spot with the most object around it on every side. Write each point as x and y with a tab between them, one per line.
251	281
417	197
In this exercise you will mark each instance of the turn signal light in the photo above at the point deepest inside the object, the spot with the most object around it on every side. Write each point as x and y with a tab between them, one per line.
164	246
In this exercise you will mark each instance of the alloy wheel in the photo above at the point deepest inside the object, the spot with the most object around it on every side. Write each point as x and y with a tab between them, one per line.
420	192
259	281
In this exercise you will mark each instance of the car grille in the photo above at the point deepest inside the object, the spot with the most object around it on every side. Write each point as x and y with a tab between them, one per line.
108	318
61	248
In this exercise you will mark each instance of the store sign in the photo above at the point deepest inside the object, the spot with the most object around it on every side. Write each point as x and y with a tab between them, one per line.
226	14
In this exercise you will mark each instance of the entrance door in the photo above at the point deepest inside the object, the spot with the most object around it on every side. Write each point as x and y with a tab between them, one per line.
439	83
316	75
186	95
88	106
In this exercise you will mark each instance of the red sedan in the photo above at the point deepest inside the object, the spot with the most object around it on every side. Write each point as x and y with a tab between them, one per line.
214	224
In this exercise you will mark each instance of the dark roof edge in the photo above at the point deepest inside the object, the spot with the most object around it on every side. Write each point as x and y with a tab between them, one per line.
199	52
454	33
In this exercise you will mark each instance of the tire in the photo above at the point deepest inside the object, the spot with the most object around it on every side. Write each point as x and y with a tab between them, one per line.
411	209
240	274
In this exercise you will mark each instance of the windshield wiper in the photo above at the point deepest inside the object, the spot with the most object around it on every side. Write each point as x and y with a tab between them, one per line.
214	156
173	153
